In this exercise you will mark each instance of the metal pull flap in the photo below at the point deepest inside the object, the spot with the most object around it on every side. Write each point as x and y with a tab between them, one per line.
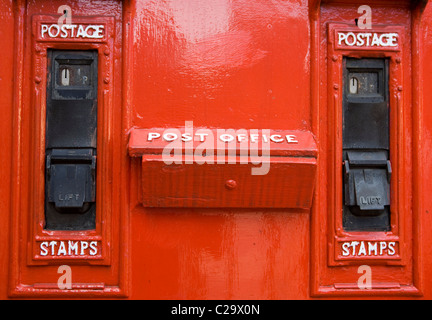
367	180
71	179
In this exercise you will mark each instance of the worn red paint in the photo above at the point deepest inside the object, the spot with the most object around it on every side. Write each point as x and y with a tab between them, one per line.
221	64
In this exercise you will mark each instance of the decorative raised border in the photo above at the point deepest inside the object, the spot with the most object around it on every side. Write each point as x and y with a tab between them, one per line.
329	268
27	214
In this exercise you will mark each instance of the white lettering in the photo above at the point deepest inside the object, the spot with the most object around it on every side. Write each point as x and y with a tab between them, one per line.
372	247
81	33
201	135
44	29
383	245
291	138
351	34
362	250
92	34
391	248
360	40
73	27
181	146
342	37
345	249
368	248
276	138
84	246
52	35
241	137
62	249
68	31
170	136
368	35
392	39
186	137
204	152
64	33
382	42
254	137
98	33
72	246
226	137
53	244
68	248
44	248
93	248
153	135
374	39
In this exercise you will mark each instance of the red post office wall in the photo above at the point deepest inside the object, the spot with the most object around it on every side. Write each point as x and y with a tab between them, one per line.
425	132
6	102
221	64
232	72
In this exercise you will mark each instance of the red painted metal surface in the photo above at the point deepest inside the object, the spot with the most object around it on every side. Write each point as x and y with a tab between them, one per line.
228	65
394	273
219	169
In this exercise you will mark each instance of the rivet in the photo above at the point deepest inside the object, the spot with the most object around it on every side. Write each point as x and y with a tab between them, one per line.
38	79
230	184
335	58
398	60
106	80
336	86
399	88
